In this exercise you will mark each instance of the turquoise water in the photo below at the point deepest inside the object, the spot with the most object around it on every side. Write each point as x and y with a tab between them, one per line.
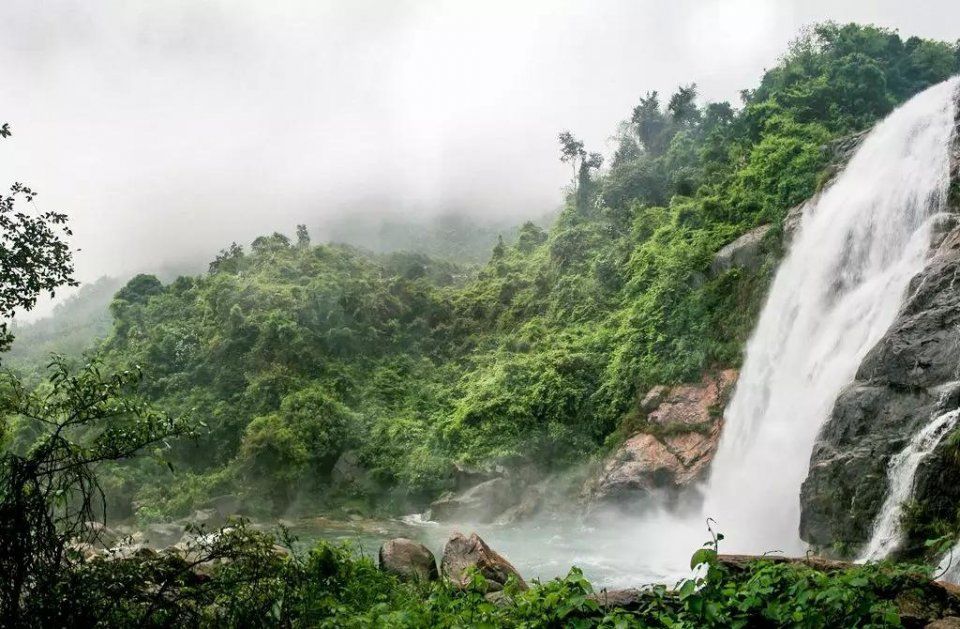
610	555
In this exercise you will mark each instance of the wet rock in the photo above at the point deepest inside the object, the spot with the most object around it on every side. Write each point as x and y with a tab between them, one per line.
350	475
208	518
741	563
794	219
674	446
481	503
906	379
462	553
83	550
530	504
949	622
629	599
163	534
409	560
745	252
226	506
466	476
100	534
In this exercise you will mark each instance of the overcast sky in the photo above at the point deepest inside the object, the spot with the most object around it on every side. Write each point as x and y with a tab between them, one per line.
168	129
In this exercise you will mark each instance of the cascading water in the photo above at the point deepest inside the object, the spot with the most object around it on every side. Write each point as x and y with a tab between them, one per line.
887	531
835	294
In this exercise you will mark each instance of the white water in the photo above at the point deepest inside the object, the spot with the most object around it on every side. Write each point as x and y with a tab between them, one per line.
887	532
836	293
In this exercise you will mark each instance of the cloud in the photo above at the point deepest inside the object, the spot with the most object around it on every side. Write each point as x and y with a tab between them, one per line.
169	129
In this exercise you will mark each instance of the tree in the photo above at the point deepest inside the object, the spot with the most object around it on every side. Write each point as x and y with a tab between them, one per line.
572	151
228	260
34	256
50	493
683	107
303	237
649	123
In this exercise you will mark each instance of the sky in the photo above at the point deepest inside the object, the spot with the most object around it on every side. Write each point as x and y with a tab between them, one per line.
168	129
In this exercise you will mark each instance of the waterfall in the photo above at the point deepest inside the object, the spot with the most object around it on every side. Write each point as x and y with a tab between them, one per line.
834	296
948	568
901	472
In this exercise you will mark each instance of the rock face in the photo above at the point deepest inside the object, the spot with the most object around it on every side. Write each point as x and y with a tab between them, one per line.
349	475
793	220
480	503
503	494
744	252
674	446
908	378
463	553
409	560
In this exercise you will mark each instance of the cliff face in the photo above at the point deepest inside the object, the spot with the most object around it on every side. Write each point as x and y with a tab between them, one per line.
673	449
908	378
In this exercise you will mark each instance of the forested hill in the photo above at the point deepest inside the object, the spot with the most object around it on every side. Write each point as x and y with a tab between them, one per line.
290	354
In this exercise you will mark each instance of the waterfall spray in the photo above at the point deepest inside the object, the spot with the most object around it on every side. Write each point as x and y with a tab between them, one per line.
834	296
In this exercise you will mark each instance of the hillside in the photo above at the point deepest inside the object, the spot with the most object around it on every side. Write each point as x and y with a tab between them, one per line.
561	390
292	354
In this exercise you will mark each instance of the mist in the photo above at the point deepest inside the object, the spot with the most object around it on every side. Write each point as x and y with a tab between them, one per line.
168	130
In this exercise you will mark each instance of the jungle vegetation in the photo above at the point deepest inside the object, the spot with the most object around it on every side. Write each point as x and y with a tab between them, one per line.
255	377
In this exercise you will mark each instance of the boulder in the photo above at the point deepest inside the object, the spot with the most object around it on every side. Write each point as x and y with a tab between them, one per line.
163	534
948	622
480	503
466	476
350	475
408	560
83	550
226	506
461	554
674	446
210	519
628	599
745	252
530	504
100	534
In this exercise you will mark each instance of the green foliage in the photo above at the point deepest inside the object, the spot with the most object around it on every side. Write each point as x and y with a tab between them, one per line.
293	354
49	491
238	577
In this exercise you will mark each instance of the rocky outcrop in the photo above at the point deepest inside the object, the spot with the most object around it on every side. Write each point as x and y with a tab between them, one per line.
480	503
463	554
745	252
408	560
905	381
501	494
793	220
350	476
908	378
674	445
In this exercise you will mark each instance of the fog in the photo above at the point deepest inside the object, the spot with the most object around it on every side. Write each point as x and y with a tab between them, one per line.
168	130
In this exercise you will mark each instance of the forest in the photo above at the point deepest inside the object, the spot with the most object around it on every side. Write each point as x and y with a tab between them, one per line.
260	377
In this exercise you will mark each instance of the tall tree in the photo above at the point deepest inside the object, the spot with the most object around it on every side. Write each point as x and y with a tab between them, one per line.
571	151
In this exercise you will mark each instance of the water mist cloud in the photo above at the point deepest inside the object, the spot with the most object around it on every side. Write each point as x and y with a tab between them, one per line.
169	129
